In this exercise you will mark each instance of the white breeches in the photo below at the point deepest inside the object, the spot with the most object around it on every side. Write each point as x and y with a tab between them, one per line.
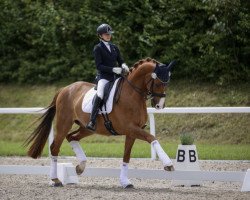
100	87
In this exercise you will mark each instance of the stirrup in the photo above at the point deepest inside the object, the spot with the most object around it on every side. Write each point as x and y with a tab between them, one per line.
91	126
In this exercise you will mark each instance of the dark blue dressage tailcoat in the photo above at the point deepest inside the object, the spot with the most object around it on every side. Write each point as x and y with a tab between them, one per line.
105	60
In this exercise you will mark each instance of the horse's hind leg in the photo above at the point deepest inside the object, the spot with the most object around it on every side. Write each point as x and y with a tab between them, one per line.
63	126
73	138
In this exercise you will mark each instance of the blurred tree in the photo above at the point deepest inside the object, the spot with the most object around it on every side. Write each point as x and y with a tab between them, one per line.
46	40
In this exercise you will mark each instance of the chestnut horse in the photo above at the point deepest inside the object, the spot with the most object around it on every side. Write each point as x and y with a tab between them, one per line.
146	79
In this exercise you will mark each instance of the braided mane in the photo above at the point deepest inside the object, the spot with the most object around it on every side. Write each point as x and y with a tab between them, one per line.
140	62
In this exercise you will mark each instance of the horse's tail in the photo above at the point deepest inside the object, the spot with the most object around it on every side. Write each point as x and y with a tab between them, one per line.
40	135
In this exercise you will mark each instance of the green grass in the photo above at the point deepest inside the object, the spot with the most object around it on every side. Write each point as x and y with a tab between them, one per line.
140	150
229	133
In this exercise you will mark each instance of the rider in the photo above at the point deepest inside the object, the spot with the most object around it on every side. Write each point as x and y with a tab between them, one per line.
107	56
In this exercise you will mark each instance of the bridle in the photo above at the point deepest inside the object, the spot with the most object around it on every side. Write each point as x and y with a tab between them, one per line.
149	94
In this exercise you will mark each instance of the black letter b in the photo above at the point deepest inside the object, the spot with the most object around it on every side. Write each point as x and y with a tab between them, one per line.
180	155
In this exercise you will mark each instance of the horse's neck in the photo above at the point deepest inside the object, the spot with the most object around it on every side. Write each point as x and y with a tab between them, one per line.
138	77
132	100
135	89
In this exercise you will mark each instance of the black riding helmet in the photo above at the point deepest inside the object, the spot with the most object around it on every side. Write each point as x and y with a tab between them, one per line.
104	28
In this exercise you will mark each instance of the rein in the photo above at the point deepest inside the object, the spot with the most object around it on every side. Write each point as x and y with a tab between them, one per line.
146	95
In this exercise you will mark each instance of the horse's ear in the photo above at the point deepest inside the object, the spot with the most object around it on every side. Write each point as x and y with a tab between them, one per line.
171	65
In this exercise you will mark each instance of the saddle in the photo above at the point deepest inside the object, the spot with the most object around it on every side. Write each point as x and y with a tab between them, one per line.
112	92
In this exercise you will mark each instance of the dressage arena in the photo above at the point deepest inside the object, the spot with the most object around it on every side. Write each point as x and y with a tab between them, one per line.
37	187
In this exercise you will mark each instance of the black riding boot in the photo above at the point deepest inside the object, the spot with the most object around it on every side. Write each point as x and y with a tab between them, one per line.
93	115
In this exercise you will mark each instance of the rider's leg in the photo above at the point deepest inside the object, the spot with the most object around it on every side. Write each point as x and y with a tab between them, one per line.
94	112
96	104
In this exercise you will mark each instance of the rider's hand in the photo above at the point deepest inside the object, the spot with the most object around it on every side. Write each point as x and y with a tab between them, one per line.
117	70
125	67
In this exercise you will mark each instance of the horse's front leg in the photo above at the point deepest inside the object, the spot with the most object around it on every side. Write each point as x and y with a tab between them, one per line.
129	142
166	161
139	133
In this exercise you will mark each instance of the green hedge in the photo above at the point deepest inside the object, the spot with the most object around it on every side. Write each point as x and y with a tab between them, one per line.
47	41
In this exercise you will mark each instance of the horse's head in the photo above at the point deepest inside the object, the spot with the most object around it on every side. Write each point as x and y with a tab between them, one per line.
153	85
157	85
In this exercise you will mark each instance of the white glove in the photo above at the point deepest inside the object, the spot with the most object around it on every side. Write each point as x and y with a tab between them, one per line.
117	70
125	67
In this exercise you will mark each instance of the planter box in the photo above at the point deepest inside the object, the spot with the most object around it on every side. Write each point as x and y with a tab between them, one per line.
187	159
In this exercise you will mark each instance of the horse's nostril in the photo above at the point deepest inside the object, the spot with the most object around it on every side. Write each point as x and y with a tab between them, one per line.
157	106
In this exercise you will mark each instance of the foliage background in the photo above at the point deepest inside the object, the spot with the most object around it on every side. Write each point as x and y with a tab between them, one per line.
46	41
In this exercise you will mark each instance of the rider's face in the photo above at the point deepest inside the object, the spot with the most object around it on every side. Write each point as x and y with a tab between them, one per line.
106	37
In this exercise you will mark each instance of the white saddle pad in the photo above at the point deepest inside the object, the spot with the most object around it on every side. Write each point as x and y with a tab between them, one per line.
88	100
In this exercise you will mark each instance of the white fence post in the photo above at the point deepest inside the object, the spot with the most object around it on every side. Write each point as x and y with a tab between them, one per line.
152	132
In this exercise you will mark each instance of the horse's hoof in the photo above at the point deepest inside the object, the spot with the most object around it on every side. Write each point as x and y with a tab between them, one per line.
169	168
56	183
126	184
129	186
80	168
